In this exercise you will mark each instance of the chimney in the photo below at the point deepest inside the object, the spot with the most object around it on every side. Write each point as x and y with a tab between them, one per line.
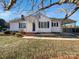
22	17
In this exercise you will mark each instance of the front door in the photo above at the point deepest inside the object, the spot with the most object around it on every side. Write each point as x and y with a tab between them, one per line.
33	25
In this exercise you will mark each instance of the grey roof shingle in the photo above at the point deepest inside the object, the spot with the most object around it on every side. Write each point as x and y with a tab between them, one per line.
31	17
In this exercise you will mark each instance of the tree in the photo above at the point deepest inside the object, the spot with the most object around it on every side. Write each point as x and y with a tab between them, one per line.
2	24
9	5
41	4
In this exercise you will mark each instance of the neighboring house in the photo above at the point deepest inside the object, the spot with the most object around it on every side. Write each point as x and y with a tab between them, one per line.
38	23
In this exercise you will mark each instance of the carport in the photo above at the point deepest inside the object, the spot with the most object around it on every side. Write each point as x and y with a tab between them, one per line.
69	25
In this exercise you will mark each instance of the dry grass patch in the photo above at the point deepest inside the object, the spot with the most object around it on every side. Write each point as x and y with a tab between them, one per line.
12	47
66	57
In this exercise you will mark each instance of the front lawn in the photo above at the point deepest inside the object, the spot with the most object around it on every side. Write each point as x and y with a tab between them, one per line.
12	47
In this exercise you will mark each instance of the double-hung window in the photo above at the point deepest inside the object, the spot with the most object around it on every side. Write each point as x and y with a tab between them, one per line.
22	25
55	24
43	24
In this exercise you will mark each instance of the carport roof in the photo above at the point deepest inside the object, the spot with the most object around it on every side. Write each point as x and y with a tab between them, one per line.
64	21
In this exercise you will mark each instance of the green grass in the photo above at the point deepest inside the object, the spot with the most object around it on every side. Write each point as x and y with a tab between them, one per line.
12	47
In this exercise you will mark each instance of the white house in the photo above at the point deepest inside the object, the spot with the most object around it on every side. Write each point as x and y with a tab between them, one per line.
38	23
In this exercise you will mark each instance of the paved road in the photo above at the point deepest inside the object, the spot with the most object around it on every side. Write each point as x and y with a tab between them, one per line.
49	38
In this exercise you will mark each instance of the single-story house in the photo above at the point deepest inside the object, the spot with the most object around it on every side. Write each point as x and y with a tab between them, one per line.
38	23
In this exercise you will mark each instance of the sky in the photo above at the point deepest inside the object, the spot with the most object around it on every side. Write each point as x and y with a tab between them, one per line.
52	12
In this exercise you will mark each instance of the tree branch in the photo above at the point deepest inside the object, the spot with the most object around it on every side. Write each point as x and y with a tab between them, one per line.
49	6
68	15
11	3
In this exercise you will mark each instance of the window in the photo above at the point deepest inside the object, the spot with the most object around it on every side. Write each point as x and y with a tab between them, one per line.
43	24
22	25
55	24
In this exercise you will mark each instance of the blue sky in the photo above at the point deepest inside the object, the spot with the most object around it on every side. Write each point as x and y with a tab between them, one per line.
52	12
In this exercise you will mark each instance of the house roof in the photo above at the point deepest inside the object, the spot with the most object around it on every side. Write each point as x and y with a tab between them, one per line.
16	20
20	19
67	21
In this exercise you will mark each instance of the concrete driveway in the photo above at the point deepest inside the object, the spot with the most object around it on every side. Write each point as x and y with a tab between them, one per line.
49	38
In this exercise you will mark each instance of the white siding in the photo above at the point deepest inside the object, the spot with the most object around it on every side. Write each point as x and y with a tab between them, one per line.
14	26
30	25
57	29
23	29
44	19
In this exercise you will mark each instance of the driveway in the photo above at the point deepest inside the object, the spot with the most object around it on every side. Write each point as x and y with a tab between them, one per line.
49	38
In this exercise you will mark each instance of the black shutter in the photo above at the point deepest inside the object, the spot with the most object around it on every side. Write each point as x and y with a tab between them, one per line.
57	24
39	24
48	25
19	25
52	24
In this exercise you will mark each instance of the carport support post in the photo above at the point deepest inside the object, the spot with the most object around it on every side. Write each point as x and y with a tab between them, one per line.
75	27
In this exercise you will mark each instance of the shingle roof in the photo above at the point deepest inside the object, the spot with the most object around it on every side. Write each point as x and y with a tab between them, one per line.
16	20
36	17
66	21
20	19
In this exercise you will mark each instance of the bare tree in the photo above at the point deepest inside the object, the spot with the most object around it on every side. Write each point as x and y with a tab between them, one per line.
42	5
9	5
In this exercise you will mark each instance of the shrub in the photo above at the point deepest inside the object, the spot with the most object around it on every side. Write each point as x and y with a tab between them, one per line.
19	35
13	33
7	32
22	32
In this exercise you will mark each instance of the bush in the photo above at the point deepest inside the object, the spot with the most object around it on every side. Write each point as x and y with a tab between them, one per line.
22	32
7	32
19	35
13	33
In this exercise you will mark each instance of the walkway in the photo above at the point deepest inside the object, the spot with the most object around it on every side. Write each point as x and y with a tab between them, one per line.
49	38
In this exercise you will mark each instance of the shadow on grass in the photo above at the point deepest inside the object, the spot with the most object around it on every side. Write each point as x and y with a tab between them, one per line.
56	35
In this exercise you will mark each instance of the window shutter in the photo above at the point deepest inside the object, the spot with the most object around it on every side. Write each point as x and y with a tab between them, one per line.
19	25
48	25
57	24
39	24
52	24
